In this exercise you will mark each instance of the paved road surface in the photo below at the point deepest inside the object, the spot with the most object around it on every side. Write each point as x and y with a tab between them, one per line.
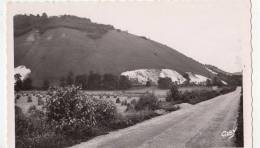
195	126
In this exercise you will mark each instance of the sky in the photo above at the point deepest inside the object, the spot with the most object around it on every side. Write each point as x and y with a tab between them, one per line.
210	31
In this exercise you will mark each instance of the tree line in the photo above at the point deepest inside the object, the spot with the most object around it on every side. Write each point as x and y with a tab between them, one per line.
95	81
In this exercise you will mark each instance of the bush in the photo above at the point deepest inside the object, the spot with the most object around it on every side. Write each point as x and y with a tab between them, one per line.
40	101
31	109
133	102
147	101
75	113
124	102
29	99
30	131
130	107
195	97
173	94
118	100
21	124
17	97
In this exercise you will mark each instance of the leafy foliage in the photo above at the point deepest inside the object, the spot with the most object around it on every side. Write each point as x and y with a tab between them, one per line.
147	101
22	85
110	82
18	82
73	112
173	94
81	80
195	97
94	81
124	83
46	85
164	83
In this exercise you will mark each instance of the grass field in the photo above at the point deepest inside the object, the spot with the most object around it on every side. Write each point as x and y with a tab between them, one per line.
127	108
127	95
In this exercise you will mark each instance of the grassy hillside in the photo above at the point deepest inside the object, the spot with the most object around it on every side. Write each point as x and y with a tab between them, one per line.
67	43
230	78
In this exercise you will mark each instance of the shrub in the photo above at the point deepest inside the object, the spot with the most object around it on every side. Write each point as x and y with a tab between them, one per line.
194	97
29	99
124	102
118	100
105	111
21	123
147	101
40	101
133	102
17	97
148	83
46	85
130	107
173	94
31	109
75	113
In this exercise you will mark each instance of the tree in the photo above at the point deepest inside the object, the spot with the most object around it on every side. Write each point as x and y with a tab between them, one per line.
18	82
62	82
173	94
124	82
110	81
94	81
44	16
81	80
216	82
208	82
187	81
70	78
27	84
164	83
148	83
46	85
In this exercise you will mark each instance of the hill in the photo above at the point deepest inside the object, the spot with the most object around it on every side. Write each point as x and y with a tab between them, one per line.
230	78
52	46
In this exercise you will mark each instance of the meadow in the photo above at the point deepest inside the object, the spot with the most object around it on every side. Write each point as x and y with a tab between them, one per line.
62	117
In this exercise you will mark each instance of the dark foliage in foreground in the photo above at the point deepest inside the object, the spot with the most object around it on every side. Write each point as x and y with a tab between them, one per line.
71	117
68	118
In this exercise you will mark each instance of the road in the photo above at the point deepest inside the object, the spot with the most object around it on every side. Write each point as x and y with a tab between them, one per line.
195	126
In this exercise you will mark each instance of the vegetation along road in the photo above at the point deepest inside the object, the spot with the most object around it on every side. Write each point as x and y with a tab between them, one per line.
207	124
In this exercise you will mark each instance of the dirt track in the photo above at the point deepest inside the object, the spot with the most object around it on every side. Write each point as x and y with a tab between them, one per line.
200	125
